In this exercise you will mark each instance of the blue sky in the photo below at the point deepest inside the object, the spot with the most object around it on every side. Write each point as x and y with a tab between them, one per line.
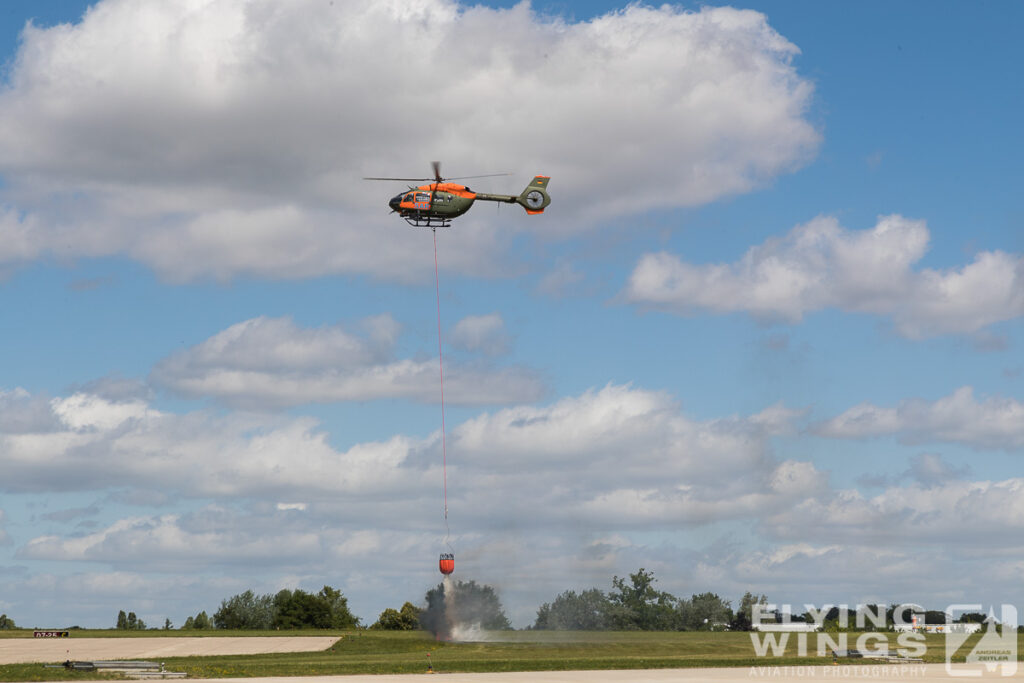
766	337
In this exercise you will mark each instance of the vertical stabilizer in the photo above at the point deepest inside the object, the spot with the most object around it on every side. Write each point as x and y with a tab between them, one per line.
535	197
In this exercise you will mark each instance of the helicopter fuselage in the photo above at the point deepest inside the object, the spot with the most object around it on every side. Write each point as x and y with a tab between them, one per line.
438	202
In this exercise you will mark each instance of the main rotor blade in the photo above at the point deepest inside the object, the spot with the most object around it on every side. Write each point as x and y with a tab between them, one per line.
439	179
486	175
437	170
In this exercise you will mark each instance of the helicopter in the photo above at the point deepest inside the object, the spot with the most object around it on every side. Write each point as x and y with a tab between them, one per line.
435	205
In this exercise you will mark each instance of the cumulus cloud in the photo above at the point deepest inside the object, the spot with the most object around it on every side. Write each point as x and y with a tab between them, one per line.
215	535
625	457
273	363
83	412
99	445
977	513
579	482
212	138
21	412
572	480
170	539
833	571
995	422
578	458
822	265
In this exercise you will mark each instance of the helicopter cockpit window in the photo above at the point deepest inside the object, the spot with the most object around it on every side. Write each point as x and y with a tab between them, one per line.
407	198
422	197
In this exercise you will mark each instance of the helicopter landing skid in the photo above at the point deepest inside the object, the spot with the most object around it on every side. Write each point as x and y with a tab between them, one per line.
422	222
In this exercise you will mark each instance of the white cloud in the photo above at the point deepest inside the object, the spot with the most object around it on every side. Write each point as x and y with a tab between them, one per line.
994	422
773	489
212	138
581	483
82	411
23	412
624	457
984	516
482	333
166	540
837	571
577	457
822	265
217	536
272	363
100	445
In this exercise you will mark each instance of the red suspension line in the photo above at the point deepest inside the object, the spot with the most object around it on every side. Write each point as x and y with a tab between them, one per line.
440	362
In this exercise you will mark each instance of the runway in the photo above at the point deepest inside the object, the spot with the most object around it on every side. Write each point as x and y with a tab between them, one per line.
49	650
28	650
921	673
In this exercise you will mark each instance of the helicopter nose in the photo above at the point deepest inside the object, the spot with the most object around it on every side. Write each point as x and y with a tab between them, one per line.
395	201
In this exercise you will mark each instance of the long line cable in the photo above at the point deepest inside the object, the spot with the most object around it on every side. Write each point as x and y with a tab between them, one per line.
440	363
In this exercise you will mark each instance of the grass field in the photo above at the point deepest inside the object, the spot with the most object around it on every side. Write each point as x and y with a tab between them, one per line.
379	652
173	633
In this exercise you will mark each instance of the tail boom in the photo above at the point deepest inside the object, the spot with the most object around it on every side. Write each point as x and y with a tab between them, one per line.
534	198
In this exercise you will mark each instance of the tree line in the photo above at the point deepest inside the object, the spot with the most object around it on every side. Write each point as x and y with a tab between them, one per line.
328	609
633	604
636	605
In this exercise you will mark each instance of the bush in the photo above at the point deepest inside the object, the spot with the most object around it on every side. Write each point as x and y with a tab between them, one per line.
406	619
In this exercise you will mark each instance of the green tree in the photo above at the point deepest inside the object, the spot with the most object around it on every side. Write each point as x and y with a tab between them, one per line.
6	623
586	611
966	618
299	609
867	615
122	621
202	621
637	606
245	611
190	623
742	620
389	620
167	625
410	615
701	612
406	619
337	606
